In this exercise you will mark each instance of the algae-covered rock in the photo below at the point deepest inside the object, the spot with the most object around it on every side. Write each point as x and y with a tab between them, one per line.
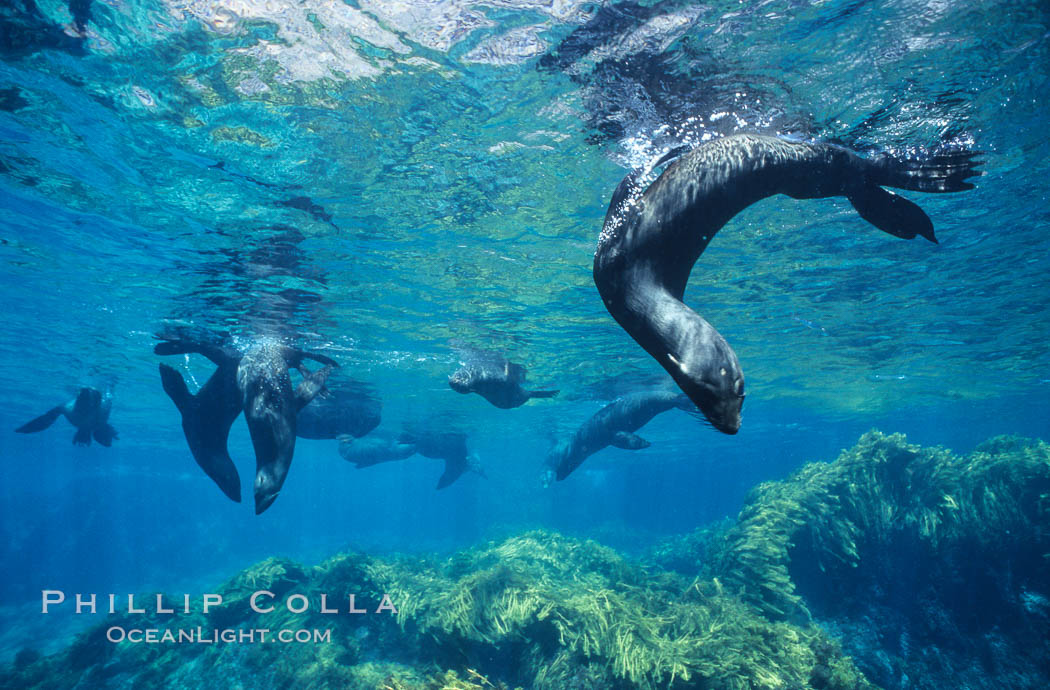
901	548
539	610
927	568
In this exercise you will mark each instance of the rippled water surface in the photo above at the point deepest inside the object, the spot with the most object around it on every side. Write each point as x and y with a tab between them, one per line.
382	181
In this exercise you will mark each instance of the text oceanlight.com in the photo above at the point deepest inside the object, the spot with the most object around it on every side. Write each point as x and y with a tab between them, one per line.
216	636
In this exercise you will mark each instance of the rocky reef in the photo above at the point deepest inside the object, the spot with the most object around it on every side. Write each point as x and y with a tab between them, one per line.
894	566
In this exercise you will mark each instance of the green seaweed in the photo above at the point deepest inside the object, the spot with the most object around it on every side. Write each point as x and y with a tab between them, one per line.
730	606
886	501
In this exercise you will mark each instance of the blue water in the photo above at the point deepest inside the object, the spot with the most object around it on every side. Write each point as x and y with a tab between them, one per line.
457	160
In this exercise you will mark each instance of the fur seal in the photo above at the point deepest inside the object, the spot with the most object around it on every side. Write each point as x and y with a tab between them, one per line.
255	381
349	410
450	446
651	239
494	378
613	425
374	450
271	407
208	415
88	412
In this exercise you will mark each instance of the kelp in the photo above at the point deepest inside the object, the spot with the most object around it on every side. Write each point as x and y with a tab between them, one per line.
931	566
539	610
887	531
887	507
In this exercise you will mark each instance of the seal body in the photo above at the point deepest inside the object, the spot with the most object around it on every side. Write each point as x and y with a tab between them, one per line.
347	411
651	239
613	425
88	412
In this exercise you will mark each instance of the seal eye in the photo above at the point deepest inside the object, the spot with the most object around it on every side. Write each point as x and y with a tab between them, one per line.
722	371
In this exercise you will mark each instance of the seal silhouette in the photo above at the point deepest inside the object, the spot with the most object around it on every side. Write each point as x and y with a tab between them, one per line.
383	446
651	239
613	425
88	412
208	415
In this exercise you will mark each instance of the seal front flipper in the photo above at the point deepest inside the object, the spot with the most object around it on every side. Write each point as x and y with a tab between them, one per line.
892	213
310	386
42	422
628	441
206	422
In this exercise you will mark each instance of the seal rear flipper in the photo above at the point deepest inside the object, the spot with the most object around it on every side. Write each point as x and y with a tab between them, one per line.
543	394
218	355
892	213
454	469
40	423
947	171
82	437
105	435
175	386
628	441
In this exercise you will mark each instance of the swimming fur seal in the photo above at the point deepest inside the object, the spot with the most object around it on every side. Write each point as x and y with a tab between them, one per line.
271	407
374	450
651	239
494	378
255	381
208	415
613	425
88	412
450	446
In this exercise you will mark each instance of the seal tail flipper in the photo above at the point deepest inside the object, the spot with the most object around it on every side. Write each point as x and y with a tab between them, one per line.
892	213
175	386
454	469
568	464
40	423
82	437
543	394
105	435
216	354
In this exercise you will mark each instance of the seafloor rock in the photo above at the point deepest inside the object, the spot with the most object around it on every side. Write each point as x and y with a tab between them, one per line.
931	569
925	564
